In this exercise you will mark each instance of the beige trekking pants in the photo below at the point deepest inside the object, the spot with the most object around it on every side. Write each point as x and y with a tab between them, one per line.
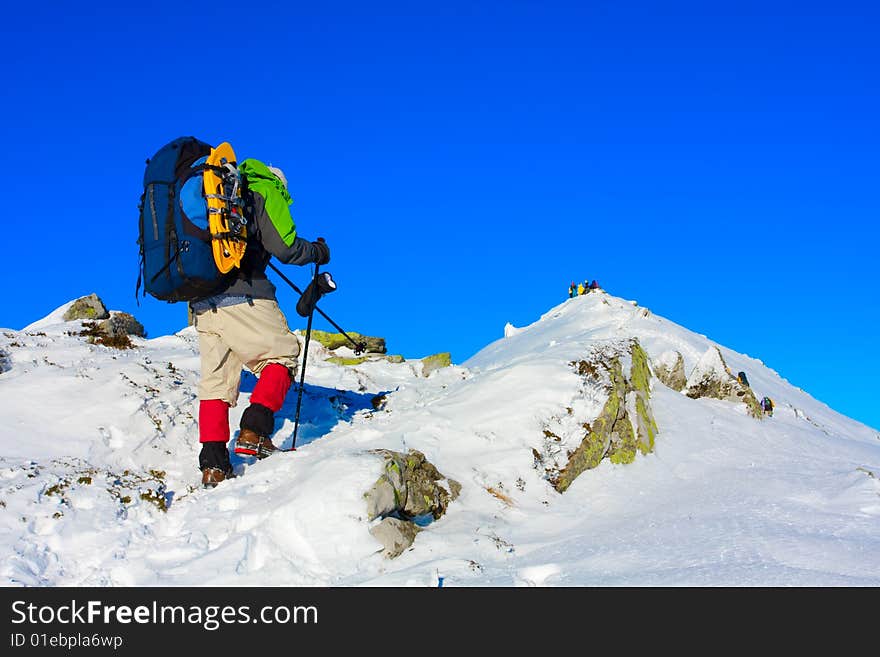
250	334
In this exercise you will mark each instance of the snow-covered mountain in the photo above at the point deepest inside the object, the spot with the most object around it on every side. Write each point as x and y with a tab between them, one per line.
99	479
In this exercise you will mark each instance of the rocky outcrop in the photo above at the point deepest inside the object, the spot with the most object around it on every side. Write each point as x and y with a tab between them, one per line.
121	324
95	334
639	394
395	535
113	332
625	425
712	378
90	307
409	491
333	341
669	369
436	362
357	360
5	361
374	348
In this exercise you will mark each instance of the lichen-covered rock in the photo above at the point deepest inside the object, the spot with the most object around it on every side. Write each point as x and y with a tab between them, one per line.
382	499
416	486
669	368
423	494
712	378
90	307
646	425
121	324
410	488
342	360
626	423
436	362
623	446
333	341
640	395
597	439
357	360
395	535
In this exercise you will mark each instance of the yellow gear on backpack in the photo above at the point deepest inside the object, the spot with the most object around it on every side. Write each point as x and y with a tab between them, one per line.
225	220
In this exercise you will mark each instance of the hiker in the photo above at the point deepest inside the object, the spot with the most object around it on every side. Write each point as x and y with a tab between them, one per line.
242	325
594	285
572	290
581	289
767	406
743	379
586	286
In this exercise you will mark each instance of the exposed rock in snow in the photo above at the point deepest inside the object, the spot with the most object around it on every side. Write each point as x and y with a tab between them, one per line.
626	422
333	341
357	360
89	307
121	324
436	362
410	488
395	535
669	369
712	377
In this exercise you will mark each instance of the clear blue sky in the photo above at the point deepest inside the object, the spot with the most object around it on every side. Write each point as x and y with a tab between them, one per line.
717	162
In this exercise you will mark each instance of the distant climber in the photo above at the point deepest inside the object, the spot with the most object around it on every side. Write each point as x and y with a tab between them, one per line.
767	406
595	285
743	379
581	289
572	290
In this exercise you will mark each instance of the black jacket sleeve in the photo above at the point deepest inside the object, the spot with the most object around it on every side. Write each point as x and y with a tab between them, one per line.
301	252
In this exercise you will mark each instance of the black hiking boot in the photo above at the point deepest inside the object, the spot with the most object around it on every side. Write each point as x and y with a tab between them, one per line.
214	464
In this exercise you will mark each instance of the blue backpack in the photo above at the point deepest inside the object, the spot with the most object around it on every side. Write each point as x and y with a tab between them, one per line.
177	260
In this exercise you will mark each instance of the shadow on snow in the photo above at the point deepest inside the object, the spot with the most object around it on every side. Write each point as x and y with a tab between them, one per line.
322	409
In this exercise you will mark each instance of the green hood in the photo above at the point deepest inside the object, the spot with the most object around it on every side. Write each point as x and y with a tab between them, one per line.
265	183
258	173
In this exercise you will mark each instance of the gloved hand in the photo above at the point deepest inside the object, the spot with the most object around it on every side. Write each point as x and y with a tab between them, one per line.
323	284
323	251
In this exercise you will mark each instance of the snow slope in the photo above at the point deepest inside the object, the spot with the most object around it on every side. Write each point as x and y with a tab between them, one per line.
95	442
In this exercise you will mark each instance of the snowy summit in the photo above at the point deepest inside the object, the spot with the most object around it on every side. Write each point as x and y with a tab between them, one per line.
600	445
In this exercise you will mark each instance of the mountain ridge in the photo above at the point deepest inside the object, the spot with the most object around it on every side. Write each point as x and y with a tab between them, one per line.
724	498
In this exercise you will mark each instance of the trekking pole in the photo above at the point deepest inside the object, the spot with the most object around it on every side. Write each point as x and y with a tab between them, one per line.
302	374
359	347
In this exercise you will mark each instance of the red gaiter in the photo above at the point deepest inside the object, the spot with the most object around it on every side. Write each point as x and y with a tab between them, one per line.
213	421
272	387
